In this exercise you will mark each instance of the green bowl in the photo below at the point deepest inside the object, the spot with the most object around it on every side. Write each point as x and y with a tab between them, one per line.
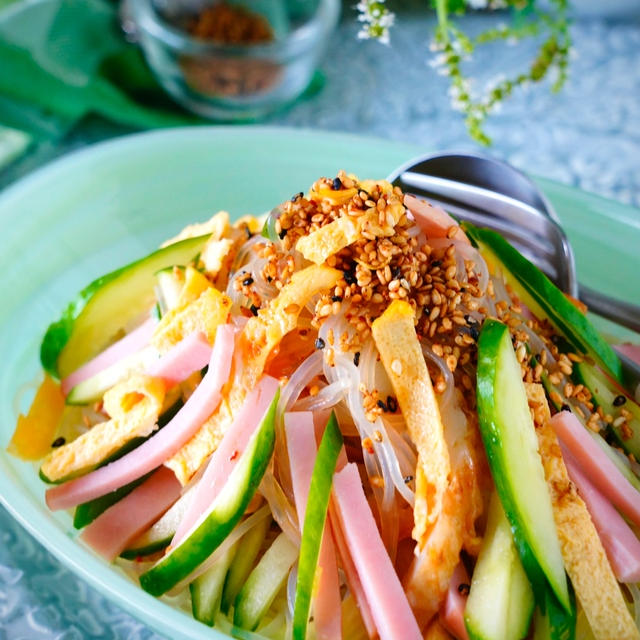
101	207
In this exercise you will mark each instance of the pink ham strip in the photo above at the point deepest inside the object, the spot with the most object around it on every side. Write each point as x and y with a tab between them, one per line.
226	456
301	444
452	610
433	221
619	542
190	354
128	345
389	605
353	579
601	471
630	350
163	444
111	532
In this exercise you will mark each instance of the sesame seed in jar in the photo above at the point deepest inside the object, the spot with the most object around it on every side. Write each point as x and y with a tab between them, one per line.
396	367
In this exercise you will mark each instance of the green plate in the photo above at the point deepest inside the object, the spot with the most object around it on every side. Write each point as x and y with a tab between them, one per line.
96	209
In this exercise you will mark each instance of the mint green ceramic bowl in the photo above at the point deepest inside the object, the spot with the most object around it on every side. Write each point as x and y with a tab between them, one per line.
99	208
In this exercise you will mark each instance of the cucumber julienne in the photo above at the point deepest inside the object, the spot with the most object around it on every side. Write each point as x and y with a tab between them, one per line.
314	521
512	449
105	306
544	298
225	512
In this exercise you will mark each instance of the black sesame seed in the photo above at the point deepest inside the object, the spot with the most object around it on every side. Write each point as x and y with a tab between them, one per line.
336	299
396	272
247	281
356	358
436	263
319	343
382	405
474	333
618	401
470	320
282	233
58	442
464	588
350	277
297	196
392	404
565	407
253	309
248	232
426	311
337	184
269	279
407	479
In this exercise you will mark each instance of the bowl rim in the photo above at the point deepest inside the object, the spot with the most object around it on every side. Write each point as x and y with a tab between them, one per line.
302	38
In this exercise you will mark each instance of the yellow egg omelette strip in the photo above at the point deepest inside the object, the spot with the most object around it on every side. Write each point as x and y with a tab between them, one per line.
584	557
34	432
259	336
205	314
134	406
318	245
395	337
217	226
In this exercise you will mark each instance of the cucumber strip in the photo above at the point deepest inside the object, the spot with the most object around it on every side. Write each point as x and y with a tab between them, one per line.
93	388
168	289
554	623
545	299
87	512
500	602
225	512
616	458
604	394
106	306
161	533
206	590
250	546
512	449
264	582
314	523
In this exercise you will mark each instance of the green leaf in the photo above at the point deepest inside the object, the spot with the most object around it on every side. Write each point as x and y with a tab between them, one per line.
314	521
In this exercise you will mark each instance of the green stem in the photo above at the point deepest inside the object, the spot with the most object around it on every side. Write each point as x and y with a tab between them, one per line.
442	12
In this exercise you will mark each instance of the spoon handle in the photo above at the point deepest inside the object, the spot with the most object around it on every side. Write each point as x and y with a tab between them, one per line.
624	313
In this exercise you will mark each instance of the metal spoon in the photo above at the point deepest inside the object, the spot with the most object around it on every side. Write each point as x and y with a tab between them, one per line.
491	193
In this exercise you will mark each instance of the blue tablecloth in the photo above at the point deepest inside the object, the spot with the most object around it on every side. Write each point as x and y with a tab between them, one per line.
587	136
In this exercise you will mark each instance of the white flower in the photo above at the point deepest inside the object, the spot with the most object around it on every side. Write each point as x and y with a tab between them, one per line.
377	20
478	4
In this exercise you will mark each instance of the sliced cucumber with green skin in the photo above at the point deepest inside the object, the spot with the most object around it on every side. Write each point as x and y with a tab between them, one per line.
554	623
512	449
206	590
500	603
544	299
314	521
264	582
87	512
225	512
160	535
93	388
106	306
168	288
250	546
623	467
604	395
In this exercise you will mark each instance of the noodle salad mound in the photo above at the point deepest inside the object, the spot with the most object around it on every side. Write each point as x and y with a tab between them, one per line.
352	418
